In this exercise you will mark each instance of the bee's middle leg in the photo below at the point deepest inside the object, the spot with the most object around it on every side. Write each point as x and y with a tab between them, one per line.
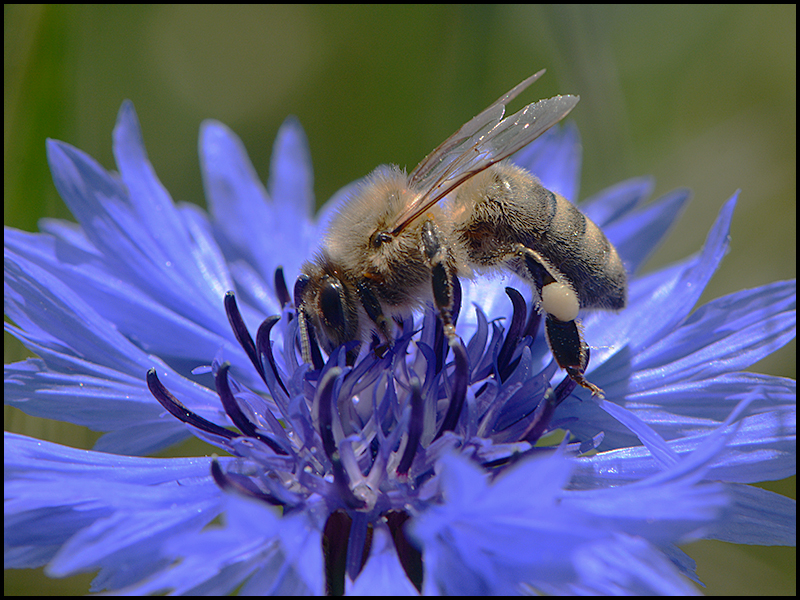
559	301
441	277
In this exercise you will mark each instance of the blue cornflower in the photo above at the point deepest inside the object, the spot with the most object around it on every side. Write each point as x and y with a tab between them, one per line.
366	478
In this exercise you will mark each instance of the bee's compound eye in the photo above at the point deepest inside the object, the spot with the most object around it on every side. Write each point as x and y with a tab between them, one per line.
379	238
331	304
560	300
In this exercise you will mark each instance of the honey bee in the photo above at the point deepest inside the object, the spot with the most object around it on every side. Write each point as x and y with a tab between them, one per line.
402	240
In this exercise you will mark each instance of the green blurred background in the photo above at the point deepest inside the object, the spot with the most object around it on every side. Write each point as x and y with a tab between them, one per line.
697	96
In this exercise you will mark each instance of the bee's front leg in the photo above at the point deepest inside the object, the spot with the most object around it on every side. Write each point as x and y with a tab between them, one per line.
374	311
559	301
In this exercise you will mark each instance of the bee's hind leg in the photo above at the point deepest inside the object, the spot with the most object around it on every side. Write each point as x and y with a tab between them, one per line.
570	350
559	301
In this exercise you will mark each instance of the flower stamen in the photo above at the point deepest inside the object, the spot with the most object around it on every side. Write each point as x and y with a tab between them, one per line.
235	412
513	336
179	411
415	427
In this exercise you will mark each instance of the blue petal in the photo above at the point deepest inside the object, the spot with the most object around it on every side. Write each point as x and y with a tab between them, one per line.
291	181
383	575
492	539
727	334
762	448
638	234
627	566
134	312
84	510
612	204
147	205
257	232
555	159
758	517
183	279
255	546
658	302
84	358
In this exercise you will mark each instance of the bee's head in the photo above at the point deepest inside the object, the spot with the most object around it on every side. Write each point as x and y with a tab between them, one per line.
326	306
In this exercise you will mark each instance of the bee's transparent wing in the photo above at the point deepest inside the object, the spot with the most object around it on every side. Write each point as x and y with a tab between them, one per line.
431	168
492	140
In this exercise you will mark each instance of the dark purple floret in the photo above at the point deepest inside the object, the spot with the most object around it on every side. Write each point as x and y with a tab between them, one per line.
513	336
296	453
281	290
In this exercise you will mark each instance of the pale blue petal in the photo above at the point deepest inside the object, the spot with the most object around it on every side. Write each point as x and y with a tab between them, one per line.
757	517
612	204
383	575
555	159
83	510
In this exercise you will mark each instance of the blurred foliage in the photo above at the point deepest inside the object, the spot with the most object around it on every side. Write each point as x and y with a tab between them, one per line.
702	97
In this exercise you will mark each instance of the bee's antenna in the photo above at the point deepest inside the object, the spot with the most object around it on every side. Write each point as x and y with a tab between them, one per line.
305	342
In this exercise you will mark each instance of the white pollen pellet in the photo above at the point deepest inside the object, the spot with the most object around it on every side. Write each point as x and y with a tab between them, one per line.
559	300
